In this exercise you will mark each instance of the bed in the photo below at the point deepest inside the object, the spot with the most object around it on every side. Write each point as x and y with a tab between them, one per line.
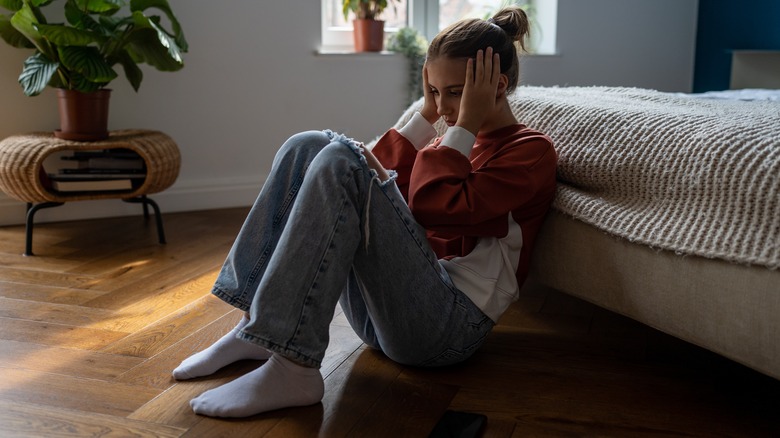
667	211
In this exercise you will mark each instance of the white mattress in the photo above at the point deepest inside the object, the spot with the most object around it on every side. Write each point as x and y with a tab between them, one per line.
745	94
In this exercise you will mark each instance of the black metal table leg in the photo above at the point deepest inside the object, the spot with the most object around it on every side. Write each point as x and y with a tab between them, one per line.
158	218
31	210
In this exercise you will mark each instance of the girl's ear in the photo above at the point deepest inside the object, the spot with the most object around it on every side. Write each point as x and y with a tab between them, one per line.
503	83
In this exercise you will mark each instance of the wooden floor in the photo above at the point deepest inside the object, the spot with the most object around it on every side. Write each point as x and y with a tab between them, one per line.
91	327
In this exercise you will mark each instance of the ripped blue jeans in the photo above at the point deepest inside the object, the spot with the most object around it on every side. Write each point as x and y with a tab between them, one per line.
325	230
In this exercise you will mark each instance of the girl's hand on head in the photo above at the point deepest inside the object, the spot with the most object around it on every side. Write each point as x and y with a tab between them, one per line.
429	109
479	92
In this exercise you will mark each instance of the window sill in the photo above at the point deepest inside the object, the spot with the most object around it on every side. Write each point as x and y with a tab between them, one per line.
348	51
542	55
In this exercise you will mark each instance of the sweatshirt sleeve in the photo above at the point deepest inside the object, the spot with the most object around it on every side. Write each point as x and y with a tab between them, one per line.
447	195
460	139
418	131
397	149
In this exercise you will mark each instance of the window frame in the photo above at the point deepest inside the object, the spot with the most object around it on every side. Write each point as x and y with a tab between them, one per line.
423	15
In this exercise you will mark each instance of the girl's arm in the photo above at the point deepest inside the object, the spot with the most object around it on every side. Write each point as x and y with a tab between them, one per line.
429	110
375	164
397	149
479	91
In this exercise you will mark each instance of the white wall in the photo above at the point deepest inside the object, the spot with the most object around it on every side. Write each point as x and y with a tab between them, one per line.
636	43
253	78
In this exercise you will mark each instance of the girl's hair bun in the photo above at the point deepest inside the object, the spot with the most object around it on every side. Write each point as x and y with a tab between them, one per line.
514	21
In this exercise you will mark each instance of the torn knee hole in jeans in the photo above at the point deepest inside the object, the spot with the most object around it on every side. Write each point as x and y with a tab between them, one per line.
357	148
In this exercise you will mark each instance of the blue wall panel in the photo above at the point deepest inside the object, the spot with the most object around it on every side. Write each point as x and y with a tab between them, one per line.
726	25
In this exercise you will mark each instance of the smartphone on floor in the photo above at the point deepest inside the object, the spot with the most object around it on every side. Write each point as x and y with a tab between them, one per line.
455	424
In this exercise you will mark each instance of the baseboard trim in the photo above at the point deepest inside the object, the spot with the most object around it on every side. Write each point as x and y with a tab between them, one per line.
192	195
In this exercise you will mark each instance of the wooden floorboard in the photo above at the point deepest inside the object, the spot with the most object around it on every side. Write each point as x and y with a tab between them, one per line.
91	327
67	361
56	390
57	335
46	293
25	420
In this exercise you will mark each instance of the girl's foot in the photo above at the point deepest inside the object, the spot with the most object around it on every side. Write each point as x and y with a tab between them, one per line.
279	383
225	351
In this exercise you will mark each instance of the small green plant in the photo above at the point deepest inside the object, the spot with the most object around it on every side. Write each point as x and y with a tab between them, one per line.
413	45
80	54
365	9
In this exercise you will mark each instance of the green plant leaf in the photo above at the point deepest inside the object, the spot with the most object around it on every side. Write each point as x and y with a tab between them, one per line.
12	36
114	25
100	6
145	46
132	72
24	21
155	46
364	9
348	6
88	62
67	36
36	74
80	19
11	5
178	33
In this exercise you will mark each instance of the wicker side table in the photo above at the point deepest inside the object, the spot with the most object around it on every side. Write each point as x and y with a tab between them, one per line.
21	167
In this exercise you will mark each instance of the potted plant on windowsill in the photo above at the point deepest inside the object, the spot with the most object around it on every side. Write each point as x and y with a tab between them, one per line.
368	28
77	57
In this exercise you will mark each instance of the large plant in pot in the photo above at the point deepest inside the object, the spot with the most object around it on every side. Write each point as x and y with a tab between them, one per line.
368	28
78	56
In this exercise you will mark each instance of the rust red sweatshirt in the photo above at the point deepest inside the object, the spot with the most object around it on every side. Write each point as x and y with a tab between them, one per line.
482	201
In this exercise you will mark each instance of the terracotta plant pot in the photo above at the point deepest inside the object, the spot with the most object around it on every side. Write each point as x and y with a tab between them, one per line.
83	116
369	35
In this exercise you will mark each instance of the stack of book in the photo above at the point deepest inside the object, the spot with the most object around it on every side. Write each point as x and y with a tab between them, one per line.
95	171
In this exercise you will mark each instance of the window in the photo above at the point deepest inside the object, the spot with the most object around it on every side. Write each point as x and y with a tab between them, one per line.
430	16
337	31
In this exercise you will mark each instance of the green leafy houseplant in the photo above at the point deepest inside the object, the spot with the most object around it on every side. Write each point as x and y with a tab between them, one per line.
365	9
410	43
80	54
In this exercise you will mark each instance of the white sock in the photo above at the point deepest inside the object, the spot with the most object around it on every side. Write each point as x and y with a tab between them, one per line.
277	384
226	350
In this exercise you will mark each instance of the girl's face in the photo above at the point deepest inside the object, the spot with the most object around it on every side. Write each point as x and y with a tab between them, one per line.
446	78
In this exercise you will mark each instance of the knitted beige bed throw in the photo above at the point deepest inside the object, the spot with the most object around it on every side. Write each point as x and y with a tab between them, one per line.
690	175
